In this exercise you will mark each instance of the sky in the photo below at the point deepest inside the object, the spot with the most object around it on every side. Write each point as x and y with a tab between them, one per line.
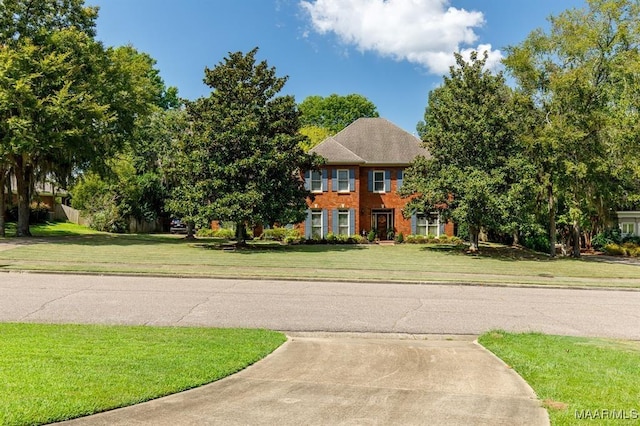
393	52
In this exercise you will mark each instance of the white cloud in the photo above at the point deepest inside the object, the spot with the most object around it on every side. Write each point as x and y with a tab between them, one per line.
425	32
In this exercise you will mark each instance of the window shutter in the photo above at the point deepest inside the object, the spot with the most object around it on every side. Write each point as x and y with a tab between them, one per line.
334	219
352	221
352	180
307	225
325	186
399	182
307	180
325	224
387	181
414	224
334	180
370	182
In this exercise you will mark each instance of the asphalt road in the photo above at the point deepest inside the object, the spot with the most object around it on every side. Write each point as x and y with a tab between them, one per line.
317	306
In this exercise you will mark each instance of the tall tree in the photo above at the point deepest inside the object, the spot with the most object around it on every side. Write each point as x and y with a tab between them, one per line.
581	76
248	145
333	113
469	133
65	102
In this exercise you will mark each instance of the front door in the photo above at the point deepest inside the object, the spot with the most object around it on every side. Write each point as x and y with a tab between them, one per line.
382	221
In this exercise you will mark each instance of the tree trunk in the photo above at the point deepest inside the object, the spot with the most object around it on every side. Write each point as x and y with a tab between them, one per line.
516	237
474	236
552	221
190	235
23	187
3	206
576	239
241	234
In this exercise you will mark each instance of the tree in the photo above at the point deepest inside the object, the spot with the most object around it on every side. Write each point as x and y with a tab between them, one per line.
469	133
248	148
66	102
582	79
334	112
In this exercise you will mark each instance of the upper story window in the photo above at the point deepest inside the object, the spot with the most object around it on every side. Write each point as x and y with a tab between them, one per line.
316	181
378	181
342	180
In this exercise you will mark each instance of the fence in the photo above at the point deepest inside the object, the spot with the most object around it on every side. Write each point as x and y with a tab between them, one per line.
70	214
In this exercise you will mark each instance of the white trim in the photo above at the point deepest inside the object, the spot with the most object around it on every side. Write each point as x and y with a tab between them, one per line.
312	180
373	177
338	180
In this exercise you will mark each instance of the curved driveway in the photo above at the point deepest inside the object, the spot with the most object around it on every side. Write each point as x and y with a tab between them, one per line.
317	306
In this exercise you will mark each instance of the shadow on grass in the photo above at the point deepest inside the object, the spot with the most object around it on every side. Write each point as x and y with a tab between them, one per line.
255	247
491	251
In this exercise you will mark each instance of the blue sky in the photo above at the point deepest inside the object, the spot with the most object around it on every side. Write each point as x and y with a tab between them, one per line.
391	51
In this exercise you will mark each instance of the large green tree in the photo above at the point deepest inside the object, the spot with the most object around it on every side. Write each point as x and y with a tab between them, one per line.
248	144
66	102
325	116
582	79
469	132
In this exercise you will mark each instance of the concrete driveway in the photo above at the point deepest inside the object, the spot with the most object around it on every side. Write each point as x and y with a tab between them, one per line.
348	379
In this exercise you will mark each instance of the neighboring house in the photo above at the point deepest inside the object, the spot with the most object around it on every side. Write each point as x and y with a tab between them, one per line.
357	189
629	222
44	194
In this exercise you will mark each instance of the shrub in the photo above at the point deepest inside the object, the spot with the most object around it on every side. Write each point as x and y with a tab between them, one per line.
293	236
608	236
357	239
205	232
274	234
400	238
613	249
332	238
444	238
342	239
371	236
537	242
411	239
225	233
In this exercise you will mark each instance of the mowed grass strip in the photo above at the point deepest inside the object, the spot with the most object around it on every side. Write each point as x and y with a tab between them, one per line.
51	373
173	255
575	378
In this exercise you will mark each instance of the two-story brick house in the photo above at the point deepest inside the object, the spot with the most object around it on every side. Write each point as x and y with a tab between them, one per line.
357	189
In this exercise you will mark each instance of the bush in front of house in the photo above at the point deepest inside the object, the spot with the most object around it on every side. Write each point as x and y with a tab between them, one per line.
608	236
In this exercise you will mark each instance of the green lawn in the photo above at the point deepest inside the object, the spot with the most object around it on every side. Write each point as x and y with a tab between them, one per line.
61	248
576	378
55	372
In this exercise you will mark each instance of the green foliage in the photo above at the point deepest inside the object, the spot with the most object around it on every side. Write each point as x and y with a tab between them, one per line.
245	158
580	78
400	238
274	234
470	134
314	135
66	102
371	236
538	242
335	112
608	236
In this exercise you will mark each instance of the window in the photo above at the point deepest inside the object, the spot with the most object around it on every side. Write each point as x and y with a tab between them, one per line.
421	224
378	181
628	228
316	181
343	222
342	180
316	224
428	224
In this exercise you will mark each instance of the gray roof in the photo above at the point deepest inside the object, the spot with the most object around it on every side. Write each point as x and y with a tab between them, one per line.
371	141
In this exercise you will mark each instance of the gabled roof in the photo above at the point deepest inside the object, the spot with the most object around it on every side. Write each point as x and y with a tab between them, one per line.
371	141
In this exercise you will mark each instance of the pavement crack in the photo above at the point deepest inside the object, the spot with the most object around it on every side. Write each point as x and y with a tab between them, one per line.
406	314
49	302
193	308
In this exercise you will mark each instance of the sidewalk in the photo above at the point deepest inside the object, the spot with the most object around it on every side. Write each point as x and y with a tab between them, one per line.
351	378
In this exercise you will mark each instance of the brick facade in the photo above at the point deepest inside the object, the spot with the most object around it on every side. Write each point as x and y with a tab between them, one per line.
383	211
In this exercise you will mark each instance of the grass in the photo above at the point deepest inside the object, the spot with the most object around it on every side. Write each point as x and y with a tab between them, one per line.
51	373
576	378
65	248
